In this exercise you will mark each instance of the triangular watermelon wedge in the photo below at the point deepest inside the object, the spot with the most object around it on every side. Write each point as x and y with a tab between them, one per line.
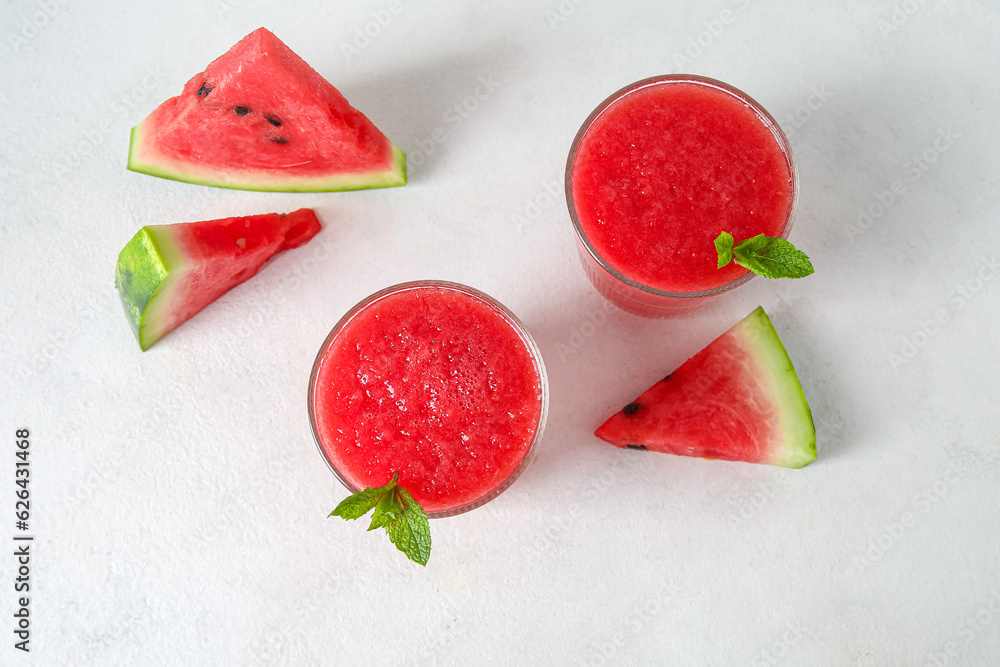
167	273
739	399
260	118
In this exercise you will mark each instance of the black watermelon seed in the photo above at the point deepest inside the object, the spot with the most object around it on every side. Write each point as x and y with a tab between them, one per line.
203	90
667	378
279	140
643	447
274	121
631	408
241	111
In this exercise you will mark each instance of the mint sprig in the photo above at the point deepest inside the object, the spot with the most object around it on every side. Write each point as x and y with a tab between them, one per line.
767	256
403	518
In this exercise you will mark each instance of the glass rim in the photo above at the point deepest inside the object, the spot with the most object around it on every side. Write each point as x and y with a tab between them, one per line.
512	320
754	106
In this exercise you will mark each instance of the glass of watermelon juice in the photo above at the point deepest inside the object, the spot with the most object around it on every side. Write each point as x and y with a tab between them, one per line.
656	172
435	381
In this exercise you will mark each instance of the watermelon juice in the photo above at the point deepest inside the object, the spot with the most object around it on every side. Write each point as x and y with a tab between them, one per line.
434	381
656	172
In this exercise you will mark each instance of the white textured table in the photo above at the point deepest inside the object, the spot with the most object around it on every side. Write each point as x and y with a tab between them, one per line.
178	503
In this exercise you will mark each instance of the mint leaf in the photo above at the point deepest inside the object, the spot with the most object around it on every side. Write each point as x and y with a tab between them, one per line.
750	245
359	504
766	256
387	510
724	246
772	258
403	518
356	506
411	531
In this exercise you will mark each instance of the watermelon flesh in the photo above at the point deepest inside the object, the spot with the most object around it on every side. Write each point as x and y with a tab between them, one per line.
167	273
260	118
739	399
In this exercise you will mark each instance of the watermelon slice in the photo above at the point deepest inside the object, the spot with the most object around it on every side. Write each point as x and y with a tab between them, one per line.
260	118
738	400
167	273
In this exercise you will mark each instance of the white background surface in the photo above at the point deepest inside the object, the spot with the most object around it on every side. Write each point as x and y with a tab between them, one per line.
178	501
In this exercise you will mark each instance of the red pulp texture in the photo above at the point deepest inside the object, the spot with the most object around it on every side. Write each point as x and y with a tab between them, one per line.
667	167
432	383
220	254
293	121
713	406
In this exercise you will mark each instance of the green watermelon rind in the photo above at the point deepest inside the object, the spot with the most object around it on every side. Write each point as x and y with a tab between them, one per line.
798	430
143	280
393	176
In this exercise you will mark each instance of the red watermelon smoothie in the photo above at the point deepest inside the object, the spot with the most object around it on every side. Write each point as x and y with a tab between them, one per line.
656	172
435	381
